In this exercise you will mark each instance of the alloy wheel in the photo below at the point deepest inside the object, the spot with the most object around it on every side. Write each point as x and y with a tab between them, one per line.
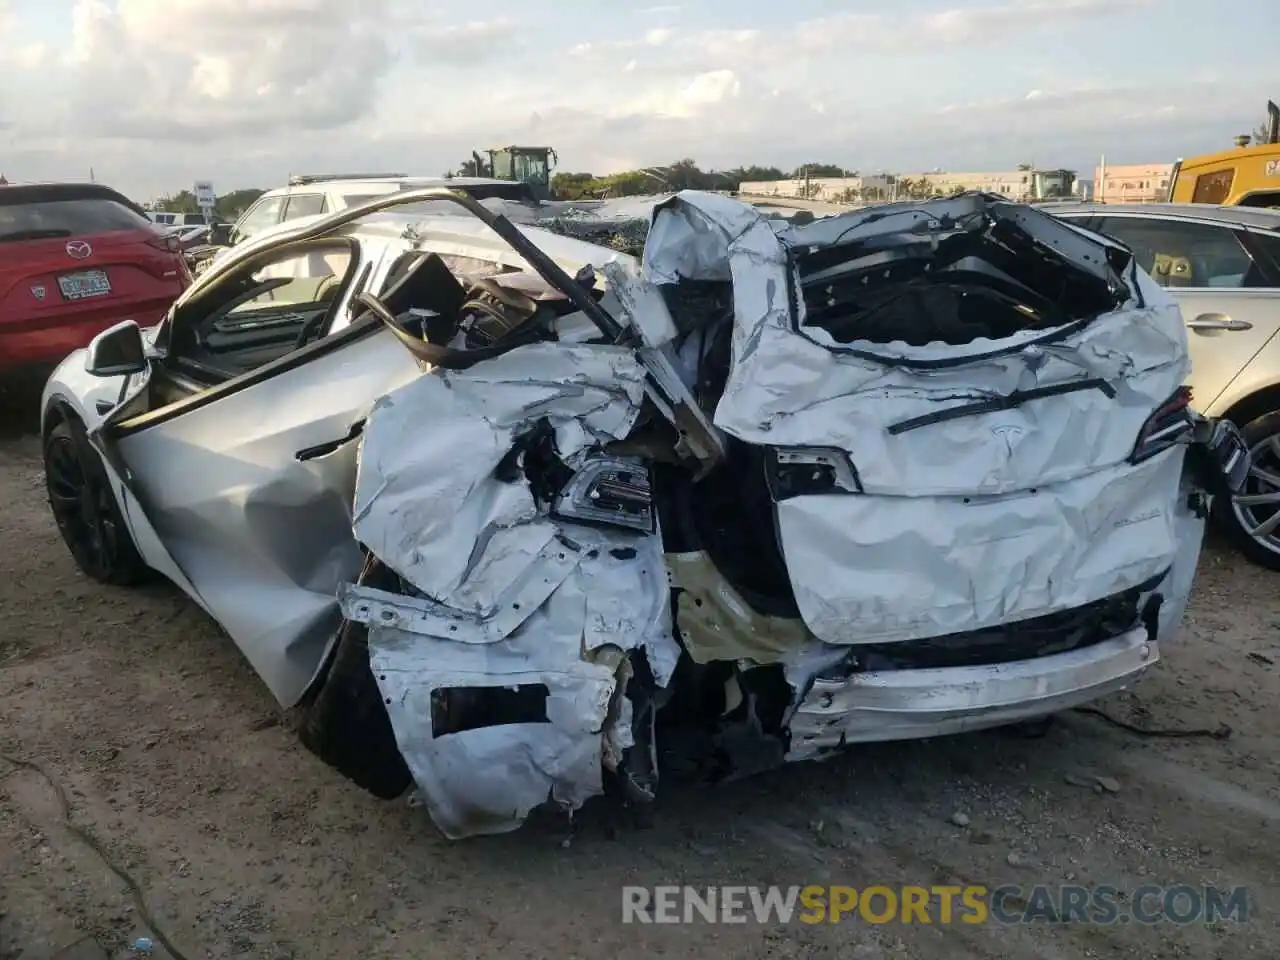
1257	506
81	506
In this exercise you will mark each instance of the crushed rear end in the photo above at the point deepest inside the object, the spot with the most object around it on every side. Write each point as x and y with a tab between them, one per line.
913	470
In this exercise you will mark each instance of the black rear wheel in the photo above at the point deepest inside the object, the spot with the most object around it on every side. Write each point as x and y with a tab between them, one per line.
342	719
85	508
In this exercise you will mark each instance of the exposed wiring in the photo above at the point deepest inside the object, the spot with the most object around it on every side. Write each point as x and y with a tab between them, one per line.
1220	732
139	901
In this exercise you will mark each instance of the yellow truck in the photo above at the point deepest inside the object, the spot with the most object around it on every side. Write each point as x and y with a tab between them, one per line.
1247	175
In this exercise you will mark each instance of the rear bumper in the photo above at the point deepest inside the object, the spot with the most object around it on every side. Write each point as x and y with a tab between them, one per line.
26	343
909	704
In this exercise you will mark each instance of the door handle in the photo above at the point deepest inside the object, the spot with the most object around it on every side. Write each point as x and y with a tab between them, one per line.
330	446
1218	321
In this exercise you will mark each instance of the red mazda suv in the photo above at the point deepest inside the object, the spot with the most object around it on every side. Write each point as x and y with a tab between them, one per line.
76	258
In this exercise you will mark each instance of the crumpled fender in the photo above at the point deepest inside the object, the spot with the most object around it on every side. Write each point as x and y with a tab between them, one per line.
518	598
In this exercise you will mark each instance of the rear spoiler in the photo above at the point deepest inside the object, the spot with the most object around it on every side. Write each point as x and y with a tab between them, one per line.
54	192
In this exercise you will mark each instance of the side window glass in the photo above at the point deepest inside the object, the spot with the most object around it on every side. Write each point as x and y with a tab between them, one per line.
265	313
1269	244
304	205
1186	254
1084	223
1213	187
263	214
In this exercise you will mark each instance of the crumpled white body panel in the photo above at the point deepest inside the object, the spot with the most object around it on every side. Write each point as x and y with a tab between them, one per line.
873	569
487	780
978	521
784	389
518	596
986	518
427	502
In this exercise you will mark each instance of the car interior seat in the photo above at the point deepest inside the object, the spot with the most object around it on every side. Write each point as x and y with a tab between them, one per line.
1172	270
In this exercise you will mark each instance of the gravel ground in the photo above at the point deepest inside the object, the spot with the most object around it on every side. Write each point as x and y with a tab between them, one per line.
173	755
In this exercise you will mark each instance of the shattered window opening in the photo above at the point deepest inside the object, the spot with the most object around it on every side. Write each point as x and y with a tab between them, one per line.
459	709
954	277
957	280
263	312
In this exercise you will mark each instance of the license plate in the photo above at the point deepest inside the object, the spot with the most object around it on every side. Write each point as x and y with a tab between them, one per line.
81	286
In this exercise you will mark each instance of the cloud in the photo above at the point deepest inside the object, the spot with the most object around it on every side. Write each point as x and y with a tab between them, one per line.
466	43
991	23
13	52
274	86
703	92
859	34
260	66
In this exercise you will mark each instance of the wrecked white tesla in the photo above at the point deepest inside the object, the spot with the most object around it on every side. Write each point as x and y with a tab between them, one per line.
508	515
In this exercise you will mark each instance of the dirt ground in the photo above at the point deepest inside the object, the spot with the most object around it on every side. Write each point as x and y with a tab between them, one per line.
175	758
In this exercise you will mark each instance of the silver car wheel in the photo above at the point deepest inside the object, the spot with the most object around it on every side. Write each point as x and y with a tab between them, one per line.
1257	506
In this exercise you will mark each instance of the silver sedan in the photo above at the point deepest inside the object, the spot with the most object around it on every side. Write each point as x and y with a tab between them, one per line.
1222	265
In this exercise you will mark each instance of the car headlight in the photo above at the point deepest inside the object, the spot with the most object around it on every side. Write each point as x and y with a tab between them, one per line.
1172	423
610	491
803	471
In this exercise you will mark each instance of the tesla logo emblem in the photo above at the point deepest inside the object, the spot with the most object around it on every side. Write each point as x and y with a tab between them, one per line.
1008	433
37	291
78	249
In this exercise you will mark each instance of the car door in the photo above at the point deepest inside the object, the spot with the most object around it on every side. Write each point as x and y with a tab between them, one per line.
248	484
1226	294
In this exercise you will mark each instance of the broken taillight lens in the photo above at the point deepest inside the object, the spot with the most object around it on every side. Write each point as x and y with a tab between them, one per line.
801	471
167	242
608	491
1172	423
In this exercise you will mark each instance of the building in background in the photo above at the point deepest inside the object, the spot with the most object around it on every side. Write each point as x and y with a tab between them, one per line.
830	189
1132	183
1024	183
1014	184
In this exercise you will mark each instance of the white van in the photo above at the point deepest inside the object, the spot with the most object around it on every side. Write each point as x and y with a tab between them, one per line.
166	219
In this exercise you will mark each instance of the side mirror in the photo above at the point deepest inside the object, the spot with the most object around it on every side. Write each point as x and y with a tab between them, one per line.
116	351
220	235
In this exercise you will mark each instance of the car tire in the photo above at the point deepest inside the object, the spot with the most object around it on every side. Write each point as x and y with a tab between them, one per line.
343	719
1262	436
85	509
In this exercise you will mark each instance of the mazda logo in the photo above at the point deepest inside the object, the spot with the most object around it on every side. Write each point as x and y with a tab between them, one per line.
78	249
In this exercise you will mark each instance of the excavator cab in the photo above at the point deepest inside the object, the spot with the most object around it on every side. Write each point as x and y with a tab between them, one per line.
1247	175
531	165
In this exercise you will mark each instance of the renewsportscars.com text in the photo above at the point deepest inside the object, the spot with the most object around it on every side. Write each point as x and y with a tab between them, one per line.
936	904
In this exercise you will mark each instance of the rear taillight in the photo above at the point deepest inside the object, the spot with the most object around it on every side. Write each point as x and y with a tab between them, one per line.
1172	423
168	243
609	491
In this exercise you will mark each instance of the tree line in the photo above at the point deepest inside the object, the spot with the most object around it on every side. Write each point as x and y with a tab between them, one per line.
227	207
684	174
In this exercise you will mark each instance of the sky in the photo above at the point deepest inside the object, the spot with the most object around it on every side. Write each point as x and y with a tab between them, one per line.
155	94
